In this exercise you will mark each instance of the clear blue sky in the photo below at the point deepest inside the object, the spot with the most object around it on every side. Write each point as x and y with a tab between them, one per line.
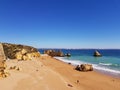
61	23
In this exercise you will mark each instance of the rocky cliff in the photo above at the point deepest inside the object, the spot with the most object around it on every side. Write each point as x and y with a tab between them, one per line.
22	52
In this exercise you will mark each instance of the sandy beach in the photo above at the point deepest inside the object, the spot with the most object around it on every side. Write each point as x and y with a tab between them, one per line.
59	44
47	73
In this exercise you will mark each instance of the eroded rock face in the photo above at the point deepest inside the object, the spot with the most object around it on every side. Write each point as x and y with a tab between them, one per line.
21	52
3	72
19	56
27	56
3	65
84	67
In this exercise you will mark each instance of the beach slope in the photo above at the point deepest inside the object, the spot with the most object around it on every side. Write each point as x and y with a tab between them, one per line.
47	73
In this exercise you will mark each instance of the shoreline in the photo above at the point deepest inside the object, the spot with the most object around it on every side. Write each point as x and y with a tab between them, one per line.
88	80
101	71
47	73
107	73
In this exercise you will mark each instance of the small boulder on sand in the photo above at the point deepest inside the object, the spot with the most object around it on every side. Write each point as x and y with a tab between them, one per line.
84	67
4	73
15	68
18	69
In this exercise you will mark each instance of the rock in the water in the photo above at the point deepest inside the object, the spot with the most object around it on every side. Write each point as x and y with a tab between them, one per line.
68	55
97	54
84	67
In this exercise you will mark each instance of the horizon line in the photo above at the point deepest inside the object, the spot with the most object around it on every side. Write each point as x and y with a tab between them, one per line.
78	48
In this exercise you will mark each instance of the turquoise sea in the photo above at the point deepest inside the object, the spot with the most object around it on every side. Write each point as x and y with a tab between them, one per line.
109	63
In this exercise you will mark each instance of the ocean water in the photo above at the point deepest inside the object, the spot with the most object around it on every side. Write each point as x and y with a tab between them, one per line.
109	63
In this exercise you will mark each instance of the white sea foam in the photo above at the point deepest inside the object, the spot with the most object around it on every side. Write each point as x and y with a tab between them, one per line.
105	69
106	64
95	66
73	62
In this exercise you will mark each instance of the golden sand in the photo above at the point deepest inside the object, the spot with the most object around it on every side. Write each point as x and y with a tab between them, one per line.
46	73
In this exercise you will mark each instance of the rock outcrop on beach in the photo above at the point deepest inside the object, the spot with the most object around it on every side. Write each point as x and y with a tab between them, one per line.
54	53
84	67
21	52
3	65
57	53
97	54
3	72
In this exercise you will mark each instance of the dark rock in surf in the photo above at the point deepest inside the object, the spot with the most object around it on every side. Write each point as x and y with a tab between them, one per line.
68	55
97	54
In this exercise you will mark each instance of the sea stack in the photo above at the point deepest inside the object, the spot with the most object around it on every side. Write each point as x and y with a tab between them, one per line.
97	54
